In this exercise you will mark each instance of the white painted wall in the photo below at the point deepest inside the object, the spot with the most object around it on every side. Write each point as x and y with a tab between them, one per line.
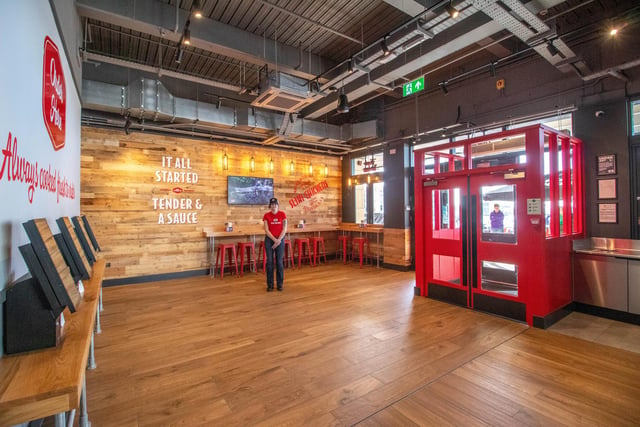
23	27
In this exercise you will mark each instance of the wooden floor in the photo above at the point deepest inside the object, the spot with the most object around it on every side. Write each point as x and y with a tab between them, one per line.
341	346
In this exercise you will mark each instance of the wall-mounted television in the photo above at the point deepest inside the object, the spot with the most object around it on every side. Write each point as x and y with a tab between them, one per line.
248	190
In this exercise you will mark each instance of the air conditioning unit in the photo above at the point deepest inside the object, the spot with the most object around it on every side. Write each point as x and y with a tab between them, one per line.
283	92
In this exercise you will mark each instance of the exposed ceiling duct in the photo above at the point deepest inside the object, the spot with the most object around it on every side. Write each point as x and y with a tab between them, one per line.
154	108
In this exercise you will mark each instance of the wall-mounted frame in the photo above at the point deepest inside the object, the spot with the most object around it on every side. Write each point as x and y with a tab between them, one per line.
608	188
607	213
606	164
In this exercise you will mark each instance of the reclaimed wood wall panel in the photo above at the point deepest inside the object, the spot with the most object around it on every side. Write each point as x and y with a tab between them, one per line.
119	180
397	246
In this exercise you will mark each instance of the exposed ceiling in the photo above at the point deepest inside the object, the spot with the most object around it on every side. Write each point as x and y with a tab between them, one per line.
271	71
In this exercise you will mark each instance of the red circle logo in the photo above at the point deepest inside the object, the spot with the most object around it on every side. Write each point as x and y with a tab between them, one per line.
54	105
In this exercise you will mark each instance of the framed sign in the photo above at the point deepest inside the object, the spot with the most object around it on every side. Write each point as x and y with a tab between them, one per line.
607	188
607	213
606	164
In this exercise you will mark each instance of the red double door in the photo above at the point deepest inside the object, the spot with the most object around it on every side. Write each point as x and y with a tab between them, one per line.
472	257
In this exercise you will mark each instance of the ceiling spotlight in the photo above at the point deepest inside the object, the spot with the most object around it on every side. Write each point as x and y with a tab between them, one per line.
452	11
197	9
443	86
613	31
384	47
350	66
218	104
179	54
343	102
553	51
186	36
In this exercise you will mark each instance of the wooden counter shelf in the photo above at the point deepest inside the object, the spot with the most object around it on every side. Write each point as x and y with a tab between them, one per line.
51	381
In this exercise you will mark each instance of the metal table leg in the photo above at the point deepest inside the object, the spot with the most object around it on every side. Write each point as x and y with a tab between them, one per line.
84	416
92	357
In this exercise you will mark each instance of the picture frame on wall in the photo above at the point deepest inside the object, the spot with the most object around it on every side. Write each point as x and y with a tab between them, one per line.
607	213
608	188
606	164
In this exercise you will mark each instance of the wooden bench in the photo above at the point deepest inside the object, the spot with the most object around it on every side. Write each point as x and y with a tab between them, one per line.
51	381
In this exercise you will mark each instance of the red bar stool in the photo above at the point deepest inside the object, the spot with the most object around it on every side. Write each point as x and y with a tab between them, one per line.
343	243
247	248
232	258
300	247
262	255
317	243
361	243
288	253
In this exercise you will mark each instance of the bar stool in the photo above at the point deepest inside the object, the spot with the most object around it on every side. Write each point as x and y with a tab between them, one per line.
288	253
317	243
343	243
222	247
360	243
300	247
247	248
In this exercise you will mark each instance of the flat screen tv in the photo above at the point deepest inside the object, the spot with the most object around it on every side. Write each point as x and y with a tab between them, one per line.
248	190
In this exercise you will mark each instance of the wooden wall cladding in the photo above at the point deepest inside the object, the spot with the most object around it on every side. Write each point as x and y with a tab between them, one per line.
397	246
119	182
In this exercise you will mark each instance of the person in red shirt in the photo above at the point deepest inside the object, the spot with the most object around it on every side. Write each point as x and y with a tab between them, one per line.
275	228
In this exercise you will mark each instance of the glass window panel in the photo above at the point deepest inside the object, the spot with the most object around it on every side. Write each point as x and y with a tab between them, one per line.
560	184
635	117
445	219
447	268
498	213
378	203
361	203
499	277
503	151
444	161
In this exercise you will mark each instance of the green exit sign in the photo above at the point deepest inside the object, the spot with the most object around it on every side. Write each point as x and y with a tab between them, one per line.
413	87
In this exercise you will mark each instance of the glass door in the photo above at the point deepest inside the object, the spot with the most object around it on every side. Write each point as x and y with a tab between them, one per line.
472	253
446	239
497	250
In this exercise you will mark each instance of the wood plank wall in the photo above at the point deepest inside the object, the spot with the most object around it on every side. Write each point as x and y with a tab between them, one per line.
397	246
119	183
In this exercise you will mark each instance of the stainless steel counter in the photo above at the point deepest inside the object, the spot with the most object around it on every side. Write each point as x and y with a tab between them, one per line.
605	273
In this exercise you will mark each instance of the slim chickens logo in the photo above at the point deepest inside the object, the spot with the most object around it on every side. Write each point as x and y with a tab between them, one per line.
54	107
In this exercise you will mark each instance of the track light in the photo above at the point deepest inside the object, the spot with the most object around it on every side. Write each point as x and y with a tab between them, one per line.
218	104
553	51
350	66
384	47
343	102
186	36
443	86
292	118
453	12
197	9
127	125
179	54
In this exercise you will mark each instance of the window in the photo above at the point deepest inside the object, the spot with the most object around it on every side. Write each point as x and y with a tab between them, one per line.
366	175
370	163
635	117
